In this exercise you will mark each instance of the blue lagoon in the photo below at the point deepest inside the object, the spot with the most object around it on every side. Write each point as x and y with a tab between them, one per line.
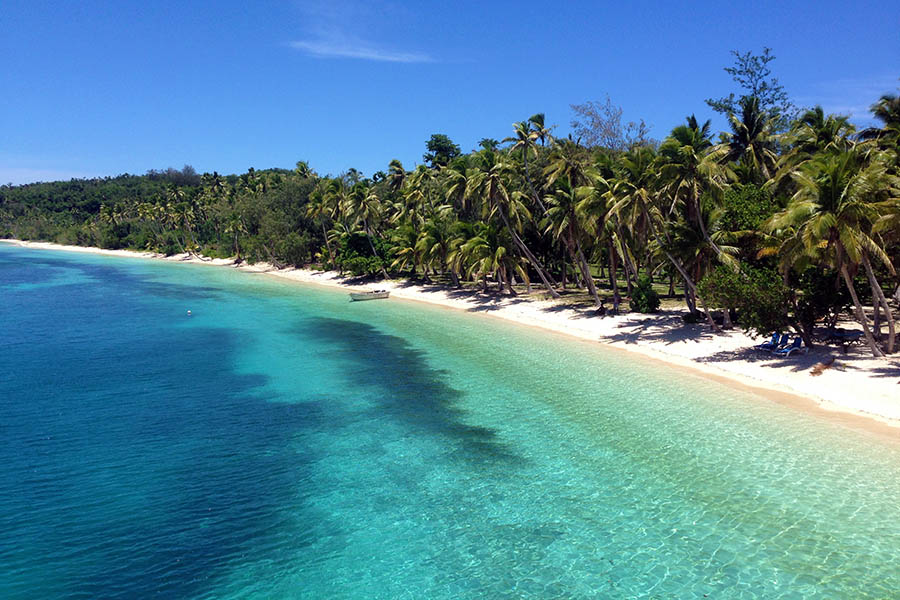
282	442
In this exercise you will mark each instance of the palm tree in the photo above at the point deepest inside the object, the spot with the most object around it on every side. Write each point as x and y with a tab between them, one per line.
540	130
564	221
396	176
487	253
321	209
405	248
830	218
302	170
455	182
524	140
752	141
886	110
438	239
488	181
364	207
815	132
634	196
236	228
690	168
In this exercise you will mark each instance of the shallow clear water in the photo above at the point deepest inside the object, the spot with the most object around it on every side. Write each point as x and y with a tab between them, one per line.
283	442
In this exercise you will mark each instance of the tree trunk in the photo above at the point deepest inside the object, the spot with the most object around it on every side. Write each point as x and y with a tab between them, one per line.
372	247
706	236
688	282
630	271
454	278
876	316
612	271
328	245
801	327
545	277
585	268
860	314
530	186
726	319
689	298
878	297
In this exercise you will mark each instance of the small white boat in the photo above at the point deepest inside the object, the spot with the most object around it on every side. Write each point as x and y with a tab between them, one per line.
373	295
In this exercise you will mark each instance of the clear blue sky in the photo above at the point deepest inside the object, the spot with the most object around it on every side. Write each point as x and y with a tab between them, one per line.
101	88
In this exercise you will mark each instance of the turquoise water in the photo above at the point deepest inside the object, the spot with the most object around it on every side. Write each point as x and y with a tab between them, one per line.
281	442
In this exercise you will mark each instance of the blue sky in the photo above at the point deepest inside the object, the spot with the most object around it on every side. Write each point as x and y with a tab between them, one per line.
101	88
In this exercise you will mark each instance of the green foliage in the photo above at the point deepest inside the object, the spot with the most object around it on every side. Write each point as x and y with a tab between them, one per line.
644	298
760	296
752	73
540	207
746	208
355	255
441	150
294	249
821	295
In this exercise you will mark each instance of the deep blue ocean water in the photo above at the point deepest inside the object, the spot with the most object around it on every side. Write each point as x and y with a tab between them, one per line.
281	442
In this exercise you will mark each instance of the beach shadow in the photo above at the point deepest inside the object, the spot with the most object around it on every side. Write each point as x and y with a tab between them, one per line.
666	328
578	309
891	370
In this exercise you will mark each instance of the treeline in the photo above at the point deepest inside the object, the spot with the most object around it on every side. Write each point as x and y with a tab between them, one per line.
786	220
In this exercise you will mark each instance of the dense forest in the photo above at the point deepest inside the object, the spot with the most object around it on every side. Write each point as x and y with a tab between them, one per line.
787	220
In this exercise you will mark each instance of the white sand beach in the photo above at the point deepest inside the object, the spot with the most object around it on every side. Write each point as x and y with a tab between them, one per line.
855	385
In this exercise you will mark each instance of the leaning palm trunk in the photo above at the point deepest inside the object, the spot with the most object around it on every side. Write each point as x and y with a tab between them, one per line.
531	258
860	314
585	268
688	281
534	193
328	244
612	270
630	270
879	298
374	253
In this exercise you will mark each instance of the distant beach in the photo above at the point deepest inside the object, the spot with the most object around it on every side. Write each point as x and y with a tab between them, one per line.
861	391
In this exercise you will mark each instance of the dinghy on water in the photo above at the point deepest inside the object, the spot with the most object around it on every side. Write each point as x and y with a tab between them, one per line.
373	295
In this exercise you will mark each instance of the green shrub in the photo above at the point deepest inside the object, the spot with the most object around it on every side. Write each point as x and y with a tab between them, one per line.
644	298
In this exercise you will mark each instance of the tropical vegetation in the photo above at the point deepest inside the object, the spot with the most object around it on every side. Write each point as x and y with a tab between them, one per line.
785	221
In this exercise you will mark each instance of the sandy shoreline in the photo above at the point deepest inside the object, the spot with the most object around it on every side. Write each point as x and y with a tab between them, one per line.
862	389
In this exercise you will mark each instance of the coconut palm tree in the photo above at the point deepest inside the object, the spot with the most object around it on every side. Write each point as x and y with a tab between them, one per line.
541	131
692	172
396	176
830	220
752	141
635	197
406	250
489	182
455	181
364	208
487	253
886	110
321	209
524	139
564	221
438	239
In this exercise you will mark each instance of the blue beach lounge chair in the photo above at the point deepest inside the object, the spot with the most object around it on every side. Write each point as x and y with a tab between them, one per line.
794	347
771	344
